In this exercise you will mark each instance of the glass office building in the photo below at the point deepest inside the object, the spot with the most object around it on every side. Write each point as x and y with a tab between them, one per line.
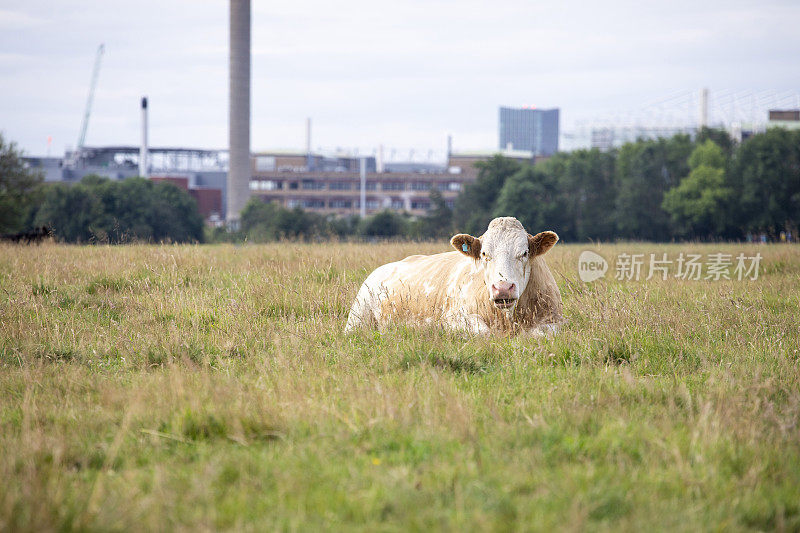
529	129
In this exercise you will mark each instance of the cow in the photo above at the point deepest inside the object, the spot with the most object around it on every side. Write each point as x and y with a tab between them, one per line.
34	236
498	282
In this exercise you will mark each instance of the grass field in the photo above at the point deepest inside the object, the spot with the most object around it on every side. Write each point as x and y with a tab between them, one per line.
211	387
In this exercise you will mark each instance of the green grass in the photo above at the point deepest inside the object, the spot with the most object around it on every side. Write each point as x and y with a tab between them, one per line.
211	387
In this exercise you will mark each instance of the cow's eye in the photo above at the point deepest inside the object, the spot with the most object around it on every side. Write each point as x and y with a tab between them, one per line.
524	255
485	256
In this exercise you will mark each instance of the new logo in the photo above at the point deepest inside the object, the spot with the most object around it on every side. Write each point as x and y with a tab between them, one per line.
591	266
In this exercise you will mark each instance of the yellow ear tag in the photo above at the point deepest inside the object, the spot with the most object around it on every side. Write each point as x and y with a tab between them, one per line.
465	247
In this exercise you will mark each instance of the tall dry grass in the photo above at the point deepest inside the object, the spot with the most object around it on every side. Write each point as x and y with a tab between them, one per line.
185	387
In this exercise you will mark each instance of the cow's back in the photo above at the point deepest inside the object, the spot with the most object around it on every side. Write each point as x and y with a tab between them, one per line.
419	288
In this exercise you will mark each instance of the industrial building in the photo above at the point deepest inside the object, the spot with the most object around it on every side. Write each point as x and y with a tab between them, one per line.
333	185
328	184
203	173
529	129
784	118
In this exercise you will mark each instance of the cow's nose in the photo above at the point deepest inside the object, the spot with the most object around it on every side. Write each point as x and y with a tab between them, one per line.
503	289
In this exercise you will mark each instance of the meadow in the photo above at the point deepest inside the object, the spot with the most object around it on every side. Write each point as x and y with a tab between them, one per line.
211	387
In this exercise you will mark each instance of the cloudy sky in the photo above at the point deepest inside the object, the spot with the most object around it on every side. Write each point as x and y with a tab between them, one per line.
400	73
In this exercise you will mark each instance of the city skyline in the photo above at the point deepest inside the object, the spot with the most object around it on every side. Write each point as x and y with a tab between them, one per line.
404	78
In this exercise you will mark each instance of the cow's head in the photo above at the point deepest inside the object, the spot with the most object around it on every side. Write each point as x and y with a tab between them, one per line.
504	254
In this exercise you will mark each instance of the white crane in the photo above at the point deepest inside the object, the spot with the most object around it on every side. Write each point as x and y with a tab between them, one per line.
89	99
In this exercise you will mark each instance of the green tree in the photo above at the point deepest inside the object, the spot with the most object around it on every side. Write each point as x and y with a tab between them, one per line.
645	170
135	209
475	205
268	221
175	215
343	227
384	224
585	180
258	220
72	211
765	176
533	197
19	189
720	137
699	204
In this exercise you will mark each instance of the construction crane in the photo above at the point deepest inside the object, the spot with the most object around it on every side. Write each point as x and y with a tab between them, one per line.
89	100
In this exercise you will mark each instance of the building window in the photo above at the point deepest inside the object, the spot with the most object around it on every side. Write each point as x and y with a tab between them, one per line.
398	204
393	186
339	185
450	203
313	203
313	185
293	185
340	204
420	186
454	186
371	185
265	185
420	204
265	163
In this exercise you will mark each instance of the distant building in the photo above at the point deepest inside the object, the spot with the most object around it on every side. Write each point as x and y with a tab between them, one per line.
305	162
327	184
529	129
792	115
332	185
401	187
201	172
50	167
209	199
784	118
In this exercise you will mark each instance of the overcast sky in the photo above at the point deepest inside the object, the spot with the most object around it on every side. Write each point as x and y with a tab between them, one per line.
405	74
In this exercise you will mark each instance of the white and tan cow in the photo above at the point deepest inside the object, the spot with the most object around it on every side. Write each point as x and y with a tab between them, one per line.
498	282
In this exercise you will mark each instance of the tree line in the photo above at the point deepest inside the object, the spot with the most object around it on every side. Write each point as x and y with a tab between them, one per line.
706	188
95	209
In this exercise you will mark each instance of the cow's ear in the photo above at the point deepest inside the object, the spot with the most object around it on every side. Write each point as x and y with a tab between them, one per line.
541	242
467	245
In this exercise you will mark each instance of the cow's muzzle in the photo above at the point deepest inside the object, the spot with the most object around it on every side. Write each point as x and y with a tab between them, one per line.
504	294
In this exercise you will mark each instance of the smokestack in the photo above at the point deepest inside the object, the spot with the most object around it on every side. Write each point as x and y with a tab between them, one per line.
308	136
379	160
703	108
449	149
363	195
239	110
143	148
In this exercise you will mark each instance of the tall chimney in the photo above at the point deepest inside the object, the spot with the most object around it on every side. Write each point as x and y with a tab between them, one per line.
379	160
143	148
308	136
703	108
449	148
239	111
363	190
